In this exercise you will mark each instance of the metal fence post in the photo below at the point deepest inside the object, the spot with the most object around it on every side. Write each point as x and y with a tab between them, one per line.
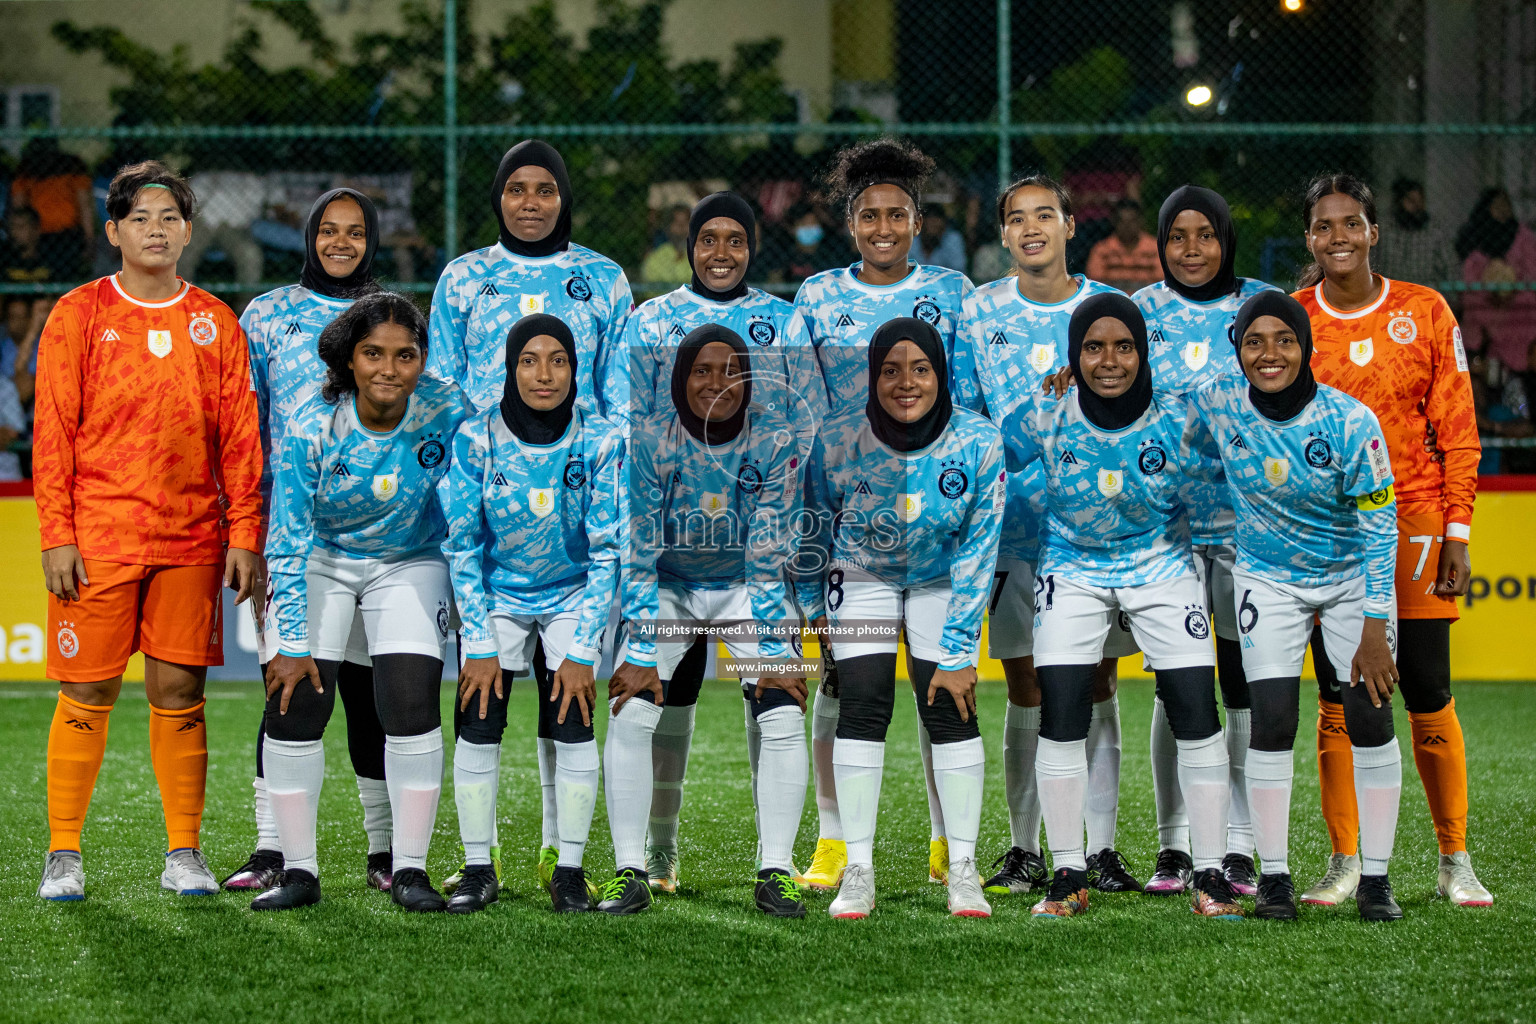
1004	93
450	128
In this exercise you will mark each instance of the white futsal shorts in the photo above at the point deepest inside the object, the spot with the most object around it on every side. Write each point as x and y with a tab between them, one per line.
517	635
701	613
267	643
403	605
1168	620
1275	621
1011	617
1213	564
871	612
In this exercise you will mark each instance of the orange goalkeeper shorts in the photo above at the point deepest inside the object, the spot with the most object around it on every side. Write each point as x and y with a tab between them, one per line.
1419	537
170	612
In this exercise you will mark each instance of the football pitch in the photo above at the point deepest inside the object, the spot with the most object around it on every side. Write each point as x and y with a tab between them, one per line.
131	952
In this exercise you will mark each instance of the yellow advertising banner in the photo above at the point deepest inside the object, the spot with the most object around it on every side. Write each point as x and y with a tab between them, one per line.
1485	644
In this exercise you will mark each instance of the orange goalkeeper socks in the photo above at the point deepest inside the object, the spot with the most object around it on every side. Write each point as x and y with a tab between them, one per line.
1440	753
1336	777
178	747
77	741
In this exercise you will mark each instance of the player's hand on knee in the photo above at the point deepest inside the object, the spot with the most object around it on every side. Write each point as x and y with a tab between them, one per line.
630	679
1454	573
482	677
960	684
573	681
795	686
1373	664
285	673
240	573
64	572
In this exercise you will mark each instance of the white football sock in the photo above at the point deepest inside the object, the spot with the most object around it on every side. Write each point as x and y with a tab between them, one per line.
373	794
754	754
1103	806
1239	820
1378	791
935	805
959	770
823	734
1268	774
1172	819
669	752
1061	771
627	765
781	793
413	768
1203	778
474	793
576	772
549	819
1021	734
295	772
857	765
266	828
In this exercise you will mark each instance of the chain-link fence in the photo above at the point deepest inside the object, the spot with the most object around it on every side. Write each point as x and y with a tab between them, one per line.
266	103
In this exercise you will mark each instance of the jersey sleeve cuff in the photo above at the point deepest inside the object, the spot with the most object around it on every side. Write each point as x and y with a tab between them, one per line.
583	655
1377	615
293	650
1459	531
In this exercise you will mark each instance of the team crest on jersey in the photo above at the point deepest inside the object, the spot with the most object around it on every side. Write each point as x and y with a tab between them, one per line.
1360	352
909	507
160	343
575	476
1276	471
385	486
1197	354
1151	459
203	329
1318	452
749	479
541	501
1195	622
1041	357
953	482
68	640
431	454
1401	328
926	310
714	503
579	288
529	303
1111	482
762	332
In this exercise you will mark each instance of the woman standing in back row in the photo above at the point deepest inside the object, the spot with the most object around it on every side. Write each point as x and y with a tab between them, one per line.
1397	348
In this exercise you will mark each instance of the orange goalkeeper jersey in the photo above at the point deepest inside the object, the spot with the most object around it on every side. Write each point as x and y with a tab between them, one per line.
145	439
1402	356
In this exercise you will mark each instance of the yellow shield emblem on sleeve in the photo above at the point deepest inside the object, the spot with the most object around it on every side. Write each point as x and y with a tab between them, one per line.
385	486
541	501
1111	482
1277	471
909	507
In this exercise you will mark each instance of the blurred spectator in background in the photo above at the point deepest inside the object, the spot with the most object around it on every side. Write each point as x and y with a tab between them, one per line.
1411	249
1495	248
21	256
13	428
1502	400
25	316
228	203
804	246
668	262
1127	259
939	243
56	185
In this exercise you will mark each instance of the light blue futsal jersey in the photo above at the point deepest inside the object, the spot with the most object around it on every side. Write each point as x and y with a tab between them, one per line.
533	529
483	293
1188	347
843	314
1113	516
1313	494
1015	344
785	376
906	519
341	488
282	331
711	517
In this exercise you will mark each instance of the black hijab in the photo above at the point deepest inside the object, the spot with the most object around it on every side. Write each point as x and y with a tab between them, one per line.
1121	411
533	153
908	437
703	431
722	204
1286	403
360	281
1201	200
529	424
1481	233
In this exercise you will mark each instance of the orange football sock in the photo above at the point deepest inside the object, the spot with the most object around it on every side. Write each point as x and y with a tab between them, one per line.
1336	778
1440	753
77	741
178	746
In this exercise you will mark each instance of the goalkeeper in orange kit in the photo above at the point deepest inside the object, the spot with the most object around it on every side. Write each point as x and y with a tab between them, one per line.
146	467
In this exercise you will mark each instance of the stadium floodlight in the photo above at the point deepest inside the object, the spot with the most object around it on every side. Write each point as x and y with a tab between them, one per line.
1198	96
1292	6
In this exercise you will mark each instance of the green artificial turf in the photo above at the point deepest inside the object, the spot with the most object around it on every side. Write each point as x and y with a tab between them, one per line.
131	952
